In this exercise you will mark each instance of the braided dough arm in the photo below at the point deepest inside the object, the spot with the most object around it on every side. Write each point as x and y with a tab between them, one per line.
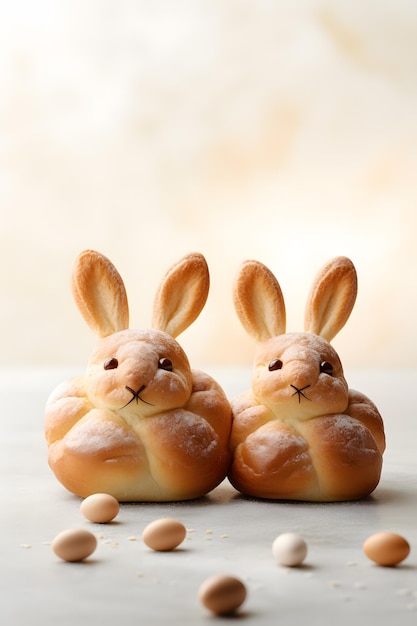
66	405
188	447
209	401
364	410
270	458
100	453
90	450
185	454
248	416
330	458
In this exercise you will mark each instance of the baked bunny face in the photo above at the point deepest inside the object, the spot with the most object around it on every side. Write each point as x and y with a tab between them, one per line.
138	373
300	433
300	369
140	424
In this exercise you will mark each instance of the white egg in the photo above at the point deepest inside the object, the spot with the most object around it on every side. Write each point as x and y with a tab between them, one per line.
289	549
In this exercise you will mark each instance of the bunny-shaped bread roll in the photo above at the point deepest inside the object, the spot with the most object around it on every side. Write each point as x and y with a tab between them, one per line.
140	424
300	433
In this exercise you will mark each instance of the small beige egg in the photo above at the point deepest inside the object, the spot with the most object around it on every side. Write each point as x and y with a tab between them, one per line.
386	548
164	534
74	544
100	508
289	549
222	594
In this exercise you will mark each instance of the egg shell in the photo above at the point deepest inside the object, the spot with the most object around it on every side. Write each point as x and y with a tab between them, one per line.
100	508
74	544
289	549
164	534
386	548
222	594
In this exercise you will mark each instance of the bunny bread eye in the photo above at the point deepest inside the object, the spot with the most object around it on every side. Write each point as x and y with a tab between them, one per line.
326	368
276	364
165	364
111	363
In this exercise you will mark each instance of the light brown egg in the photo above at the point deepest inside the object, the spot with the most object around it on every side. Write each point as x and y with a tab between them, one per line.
100	508
164	534
222	594
386	548
74	544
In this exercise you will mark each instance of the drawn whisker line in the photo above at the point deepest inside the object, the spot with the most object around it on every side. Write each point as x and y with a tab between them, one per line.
135	396
300	393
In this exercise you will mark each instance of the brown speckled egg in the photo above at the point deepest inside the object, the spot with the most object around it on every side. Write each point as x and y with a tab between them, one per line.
74	544
100	508
222	594
386	548
164	534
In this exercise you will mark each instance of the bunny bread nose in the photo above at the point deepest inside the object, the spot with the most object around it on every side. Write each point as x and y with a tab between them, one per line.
298	369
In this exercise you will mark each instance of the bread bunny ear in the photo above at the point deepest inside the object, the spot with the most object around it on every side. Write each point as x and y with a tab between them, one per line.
182	295
100	294
259	302
331	298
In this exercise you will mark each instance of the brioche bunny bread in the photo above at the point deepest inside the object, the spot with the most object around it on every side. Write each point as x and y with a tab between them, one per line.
300	433
140	424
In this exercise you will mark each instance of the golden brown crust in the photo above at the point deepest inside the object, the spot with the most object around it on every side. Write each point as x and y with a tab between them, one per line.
140	425
300	433
363	409
181	295
99	293
331	298
171	455
289	452
345	456
273	462
258	301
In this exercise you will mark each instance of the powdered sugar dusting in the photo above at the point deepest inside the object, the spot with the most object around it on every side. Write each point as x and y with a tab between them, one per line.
98	436
191	434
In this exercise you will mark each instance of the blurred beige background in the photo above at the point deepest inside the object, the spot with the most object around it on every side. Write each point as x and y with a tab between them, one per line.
283	131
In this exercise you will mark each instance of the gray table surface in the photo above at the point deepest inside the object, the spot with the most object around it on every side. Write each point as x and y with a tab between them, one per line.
125	582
